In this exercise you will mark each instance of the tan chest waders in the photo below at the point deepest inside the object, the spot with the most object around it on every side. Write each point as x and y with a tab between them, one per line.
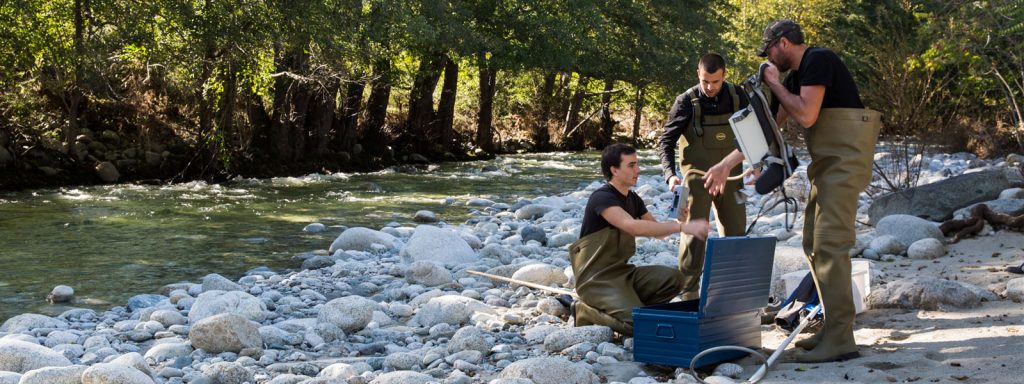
841	144
609	287
705	143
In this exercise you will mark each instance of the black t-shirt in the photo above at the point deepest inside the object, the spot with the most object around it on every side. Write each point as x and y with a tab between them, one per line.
821	66
681	114
608	196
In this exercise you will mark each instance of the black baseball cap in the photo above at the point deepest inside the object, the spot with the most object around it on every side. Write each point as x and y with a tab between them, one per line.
776	30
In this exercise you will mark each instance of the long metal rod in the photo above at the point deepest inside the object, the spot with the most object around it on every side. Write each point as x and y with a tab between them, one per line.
778	351
526	283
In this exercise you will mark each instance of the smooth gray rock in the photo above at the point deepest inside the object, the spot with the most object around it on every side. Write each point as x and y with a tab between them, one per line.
314	228
1015	289
888	244
552	307
1012	207
215	302
568	337
908	229
215	282
469	338
403	377
54	375
226	332
444	246
168	317
350	313
134	360
113	373
147	300
361	239
542	274
532	211
21	356
29	321
550	370
533	232
926	249
338	371
424	216
107	172
450	309
9	377
402	361
562	239
228	373
937	201
319	262
929	293
288	379
428	273
168	351
1011	193
61	294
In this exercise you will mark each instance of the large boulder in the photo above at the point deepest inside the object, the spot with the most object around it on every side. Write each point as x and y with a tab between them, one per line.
449	309
928	293
215	282
550	370
937	201
429	243
114	373
350	313
29	321
908	229
225	332
542	274
54	375
22	356
361	239
210	303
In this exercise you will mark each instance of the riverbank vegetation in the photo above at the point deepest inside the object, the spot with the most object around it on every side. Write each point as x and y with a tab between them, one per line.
171	90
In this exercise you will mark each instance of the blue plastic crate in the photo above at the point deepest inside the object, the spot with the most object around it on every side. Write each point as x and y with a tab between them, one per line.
734	286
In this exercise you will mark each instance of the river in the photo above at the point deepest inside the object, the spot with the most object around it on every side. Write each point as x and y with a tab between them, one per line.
115	241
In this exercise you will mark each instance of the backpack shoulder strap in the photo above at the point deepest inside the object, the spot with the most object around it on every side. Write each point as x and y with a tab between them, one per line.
735	96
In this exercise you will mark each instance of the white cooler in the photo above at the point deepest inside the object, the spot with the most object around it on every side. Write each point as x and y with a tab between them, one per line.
860	274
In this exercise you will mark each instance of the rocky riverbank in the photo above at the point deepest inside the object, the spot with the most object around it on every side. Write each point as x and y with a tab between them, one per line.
397	305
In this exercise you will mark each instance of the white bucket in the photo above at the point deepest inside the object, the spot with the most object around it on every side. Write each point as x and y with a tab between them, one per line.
860	275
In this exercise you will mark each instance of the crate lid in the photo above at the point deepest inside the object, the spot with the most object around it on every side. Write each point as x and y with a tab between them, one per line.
737	274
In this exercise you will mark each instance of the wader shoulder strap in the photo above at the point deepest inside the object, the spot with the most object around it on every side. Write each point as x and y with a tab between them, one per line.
697	116
735	96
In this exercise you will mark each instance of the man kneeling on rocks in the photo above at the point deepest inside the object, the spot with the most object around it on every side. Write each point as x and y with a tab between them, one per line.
608	287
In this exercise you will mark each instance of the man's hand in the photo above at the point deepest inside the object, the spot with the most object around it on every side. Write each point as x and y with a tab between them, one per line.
715	179
673	182
697	228
771	74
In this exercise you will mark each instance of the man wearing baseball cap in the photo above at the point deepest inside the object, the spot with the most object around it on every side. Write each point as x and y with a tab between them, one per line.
820	95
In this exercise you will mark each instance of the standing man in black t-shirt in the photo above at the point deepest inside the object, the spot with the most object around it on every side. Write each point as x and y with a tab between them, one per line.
700	116
820	95
607	285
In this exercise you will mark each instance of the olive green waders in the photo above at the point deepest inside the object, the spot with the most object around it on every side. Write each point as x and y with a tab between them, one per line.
706	144
841	144
608	287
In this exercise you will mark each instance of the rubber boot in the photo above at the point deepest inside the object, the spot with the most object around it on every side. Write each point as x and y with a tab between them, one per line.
831	274
810	342
587	315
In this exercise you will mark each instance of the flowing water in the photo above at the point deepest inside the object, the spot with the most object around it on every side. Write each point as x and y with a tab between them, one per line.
112	242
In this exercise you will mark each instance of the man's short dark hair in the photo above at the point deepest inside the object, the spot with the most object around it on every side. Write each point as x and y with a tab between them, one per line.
711	62
612	157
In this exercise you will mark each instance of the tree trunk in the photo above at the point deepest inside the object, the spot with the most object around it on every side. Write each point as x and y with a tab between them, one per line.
541	137
372	134
321	117
227	106
346	128
572	132
421	103
485	115
280	140
604	138
302	95
446	107
75	94
638	108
